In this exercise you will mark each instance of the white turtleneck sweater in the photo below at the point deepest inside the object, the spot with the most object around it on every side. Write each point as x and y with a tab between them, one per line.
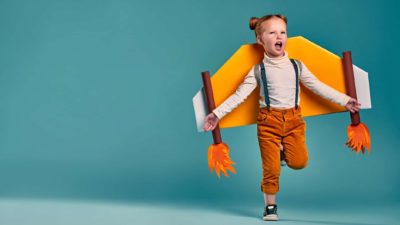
281	82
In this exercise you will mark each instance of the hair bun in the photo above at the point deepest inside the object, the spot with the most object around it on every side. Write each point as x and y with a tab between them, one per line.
253	22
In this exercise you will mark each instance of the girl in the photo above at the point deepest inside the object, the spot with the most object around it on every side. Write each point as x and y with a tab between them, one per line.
279	121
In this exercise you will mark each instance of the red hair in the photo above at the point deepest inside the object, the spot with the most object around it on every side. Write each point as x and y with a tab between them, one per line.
255	23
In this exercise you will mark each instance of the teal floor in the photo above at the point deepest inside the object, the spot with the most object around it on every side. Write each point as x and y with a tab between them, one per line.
60	212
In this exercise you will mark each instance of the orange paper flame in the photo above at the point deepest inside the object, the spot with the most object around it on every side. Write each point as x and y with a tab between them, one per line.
218	159
358	138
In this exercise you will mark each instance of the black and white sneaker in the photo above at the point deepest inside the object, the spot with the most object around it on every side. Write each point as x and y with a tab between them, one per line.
271	213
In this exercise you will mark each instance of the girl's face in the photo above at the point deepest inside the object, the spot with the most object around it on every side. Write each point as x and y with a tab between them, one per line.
273	37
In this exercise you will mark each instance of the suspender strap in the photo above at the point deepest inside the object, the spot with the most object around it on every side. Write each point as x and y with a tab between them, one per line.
296	70
265	87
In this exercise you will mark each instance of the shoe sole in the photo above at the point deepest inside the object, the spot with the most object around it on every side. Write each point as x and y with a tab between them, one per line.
271	218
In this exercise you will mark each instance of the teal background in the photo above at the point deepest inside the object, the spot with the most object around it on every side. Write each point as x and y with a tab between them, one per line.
96	101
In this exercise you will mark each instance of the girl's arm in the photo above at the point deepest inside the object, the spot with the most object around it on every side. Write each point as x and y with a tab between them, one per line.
242	92
311	82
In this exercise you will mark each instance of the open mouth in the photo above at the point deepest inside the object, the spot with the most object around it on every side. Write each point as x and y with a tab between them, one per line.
278	45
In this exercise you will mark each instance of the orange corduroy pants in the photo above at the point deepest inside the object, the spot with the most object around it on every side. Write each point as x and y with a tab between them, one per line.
276	127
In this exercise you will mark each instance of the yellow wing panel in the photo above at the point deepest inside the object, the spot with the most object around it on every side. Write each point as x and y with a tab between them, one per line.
322	63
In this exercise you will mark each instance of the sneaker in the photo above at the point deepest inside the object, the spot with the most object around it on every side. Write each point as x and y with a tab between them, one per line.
271	213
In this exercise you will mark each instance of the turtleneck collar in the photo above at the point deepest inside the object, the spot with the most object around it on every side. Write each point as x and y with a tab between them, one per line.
276	61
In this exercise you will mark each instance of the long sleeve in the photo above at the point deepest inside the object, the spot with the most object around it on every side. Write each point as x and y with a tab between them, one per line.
242	92
321	89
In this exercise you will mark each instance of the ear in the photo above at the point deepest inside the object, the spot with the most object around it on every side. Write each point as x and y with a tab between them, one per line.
259	41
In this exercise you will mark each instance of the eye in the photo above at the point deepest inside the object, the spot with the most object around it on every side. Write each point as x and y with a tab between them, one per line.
272	32
283	32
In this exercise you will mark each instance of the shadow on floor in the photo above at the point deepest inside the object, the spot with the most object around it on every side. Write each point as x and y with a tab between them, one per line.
329	222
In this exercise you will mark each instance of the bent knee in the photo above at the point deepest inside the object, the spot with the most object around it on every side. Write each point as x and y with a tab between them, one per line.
298	164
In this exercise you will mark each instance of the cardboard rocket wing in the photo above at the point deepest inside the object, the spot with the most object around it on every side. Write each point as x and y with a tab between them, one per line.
325	65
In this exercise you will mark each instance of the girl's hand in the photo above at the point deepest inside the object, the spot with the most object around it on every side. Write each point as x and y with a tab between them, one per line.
210	122
353	105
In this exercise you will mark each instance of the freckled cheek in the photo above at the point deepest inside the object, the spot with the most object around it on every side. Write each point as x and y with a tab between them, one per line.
270	44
